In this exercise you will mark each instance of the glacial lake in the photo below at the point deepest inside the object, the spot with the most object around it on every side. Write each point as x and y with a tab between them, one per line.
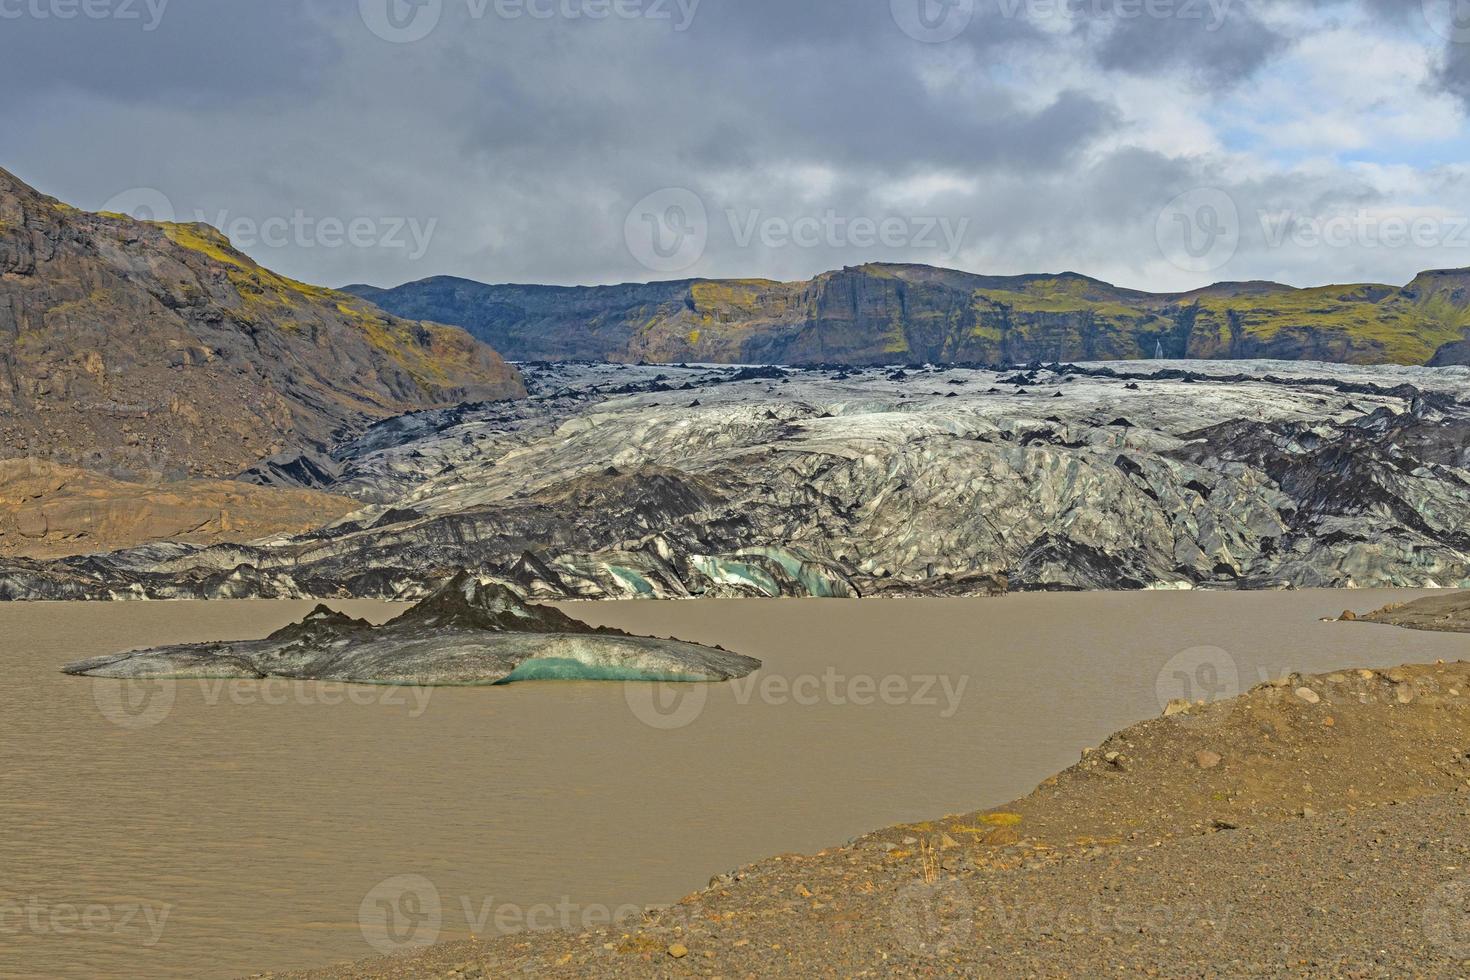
200	829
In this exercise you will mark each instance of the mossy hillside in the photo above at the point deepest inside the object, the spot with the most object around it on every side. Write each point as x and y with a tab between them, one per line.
875	314
710	323
267	297
158	348
737	296
205	240
1073	318
883	313
1393	330
1060	302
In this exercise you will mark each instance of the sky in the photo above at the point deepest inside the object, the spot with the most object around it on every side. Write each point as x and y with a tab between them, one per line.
1156	144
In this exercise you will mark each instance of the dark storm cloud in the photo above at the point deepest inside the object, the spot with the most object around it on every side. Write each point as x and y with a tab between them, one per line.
162	51
827	79
641	109
1218	44
523	143
1453	72
787	24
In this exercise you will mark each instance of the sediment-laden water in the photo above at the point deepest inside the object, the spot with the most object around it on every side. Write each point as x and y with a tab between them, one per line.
202	829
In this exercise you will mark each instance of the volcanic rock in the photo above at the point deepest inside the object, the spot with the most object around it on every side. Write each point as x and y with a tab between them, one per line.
468	632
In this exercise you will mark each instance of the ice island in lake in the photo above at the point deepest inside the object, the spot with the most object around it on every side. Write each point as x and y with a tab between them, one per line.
468	632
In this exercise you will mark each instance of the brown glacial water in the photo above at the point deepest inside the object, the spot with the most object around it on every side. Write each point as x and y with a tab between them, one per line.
209	830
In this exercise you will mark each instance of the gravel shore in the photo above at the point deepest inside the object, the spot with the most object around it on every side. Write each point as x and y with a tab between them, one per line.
1449	613
1317	825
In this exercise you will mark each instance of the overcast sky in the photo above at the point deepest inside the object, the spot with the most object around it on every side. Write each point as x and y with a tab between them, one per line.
1158	144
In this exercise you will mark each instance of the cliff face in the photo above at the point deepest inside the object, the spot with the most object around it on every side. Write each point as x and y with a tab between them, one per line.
134	347
884	314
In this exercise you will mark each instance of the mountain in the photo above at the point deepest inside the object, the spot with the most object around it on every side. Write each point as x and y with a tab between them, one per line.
135	347
875	314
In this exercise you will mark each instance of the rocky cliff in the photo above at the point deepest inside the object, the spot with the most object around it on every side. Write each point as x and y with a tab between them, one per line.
133	347
895	314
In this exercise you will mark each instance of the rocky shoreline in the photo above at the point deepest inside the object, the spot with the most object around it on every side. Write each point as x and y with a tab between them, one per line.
1439	613
1316	825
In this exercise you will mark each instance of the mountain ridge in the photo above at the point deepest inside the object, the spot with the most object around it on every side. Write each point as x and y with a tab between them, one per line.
133	347
887	313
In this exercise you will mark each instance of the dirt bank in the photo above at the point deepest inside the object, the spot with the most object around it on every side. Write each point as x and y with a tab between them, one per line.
1316	825
1437	613
52	511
